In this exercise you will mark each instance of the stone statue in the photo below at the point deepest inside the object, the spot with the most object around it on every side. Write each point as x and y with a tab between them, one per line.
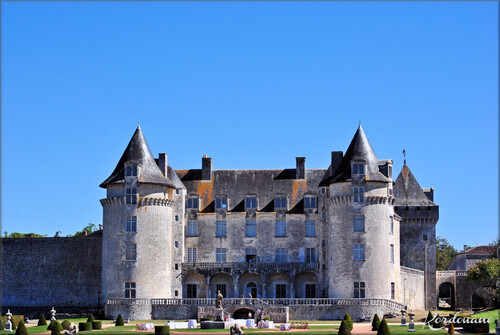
236	330
218	300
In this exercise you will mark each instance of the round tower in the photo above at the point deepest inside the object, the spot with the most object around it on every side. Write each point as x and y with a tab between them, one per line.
138	212
363	238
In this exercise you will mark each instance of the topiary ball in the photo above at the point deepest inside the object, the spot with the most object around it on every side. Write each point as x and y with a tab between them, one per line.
42	321
344	328
56	328
21	329
119	321
65	324
383	329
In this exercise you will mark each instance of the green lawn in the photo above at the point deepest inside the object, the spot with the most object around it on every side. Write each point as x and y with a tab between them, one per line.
495	314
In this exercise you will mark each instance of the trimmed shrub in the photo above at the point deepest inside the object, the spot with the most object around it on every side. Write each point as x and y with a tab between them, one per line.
21	329
206	319
65	324
477	328
451	329
84	326
438	322
375	319
56	328
96	324
428	318
42	321
162	330
383	329
49	327
376	325
344	328
119	321
348	321
91	318
267	319
1	324
15	320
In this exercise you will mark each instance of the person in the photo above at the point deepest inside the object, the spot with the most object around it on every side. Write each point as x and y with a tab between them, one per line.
362	318
249	315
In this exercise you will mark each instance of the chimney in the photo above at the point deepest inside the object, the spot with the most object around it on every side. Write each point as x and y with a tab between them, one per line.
300	170
162	164
206	168
336	159
465	247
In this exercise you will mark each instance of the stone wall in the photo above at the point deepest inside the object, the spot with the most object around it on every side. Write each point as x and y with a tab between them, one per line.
57	271
412	288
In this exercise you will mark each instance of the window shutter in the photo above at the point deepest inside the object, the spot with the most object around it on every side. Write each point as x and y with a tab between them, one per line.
302	257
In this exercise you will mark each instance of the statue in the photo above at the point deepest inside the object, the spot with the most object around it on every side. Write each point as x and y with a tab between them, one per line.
218	300
236	330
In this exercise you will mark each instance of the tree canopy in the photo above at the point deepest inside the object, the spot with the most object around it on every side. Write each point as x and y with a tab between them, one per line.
444	253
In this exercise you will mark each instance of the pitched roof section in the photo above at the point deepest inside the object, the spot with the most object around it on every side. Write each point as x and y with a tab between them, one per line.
138	152
359	149
408	192
480	250
172	176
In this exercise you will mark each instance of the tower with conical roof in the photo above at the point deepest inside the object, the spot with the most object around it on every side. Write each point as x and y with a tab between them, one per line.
138	215
419	215
363	232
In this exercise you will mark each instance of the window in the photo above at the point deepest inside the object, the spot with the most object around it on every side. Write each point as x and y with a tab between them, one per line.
221	203
177	218
220	255
310	202
192	228
391	225
392	253
176	266
130	290
358	223
131	224
221	288
280	255
392	291
310	255
310	291
220	229
191	290
425	237
358	194
280	291
131	196
280	202
131	171
358	169
280	228
176	293
310	228
192	202
251	229
251	254
251	202
359	252
176	244
191	255
359	289
130	252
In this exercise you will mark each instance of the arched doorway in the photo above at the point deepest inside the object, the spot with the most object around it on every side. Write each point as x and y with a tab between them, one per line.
446	296
242	313
251	289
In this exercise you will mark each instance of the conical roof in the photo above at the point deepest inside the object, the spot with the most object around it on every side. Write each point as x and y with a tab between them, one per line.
138	152
174	178
408	192
361	150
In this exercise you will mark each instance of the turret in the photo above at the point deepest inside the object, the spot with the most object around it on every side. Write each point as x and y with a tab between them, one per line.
138	213
363	237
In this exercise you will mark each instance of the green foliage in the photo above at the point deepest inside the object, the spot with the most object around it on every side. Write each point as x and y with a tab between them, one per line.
486	274
344	328
451	329
375	319
89	229
1	324
438	322
119	321
348	321
267	319
21	329
22	235
96	324
65	324
444	253
82	326
376	325
428	318
91	318
162	330
383	328
56	328
42	321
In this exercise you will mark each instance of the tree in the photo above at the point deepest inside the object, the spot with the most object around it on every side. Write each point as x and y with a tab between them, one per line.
444	253
119	321
486	274
344	329
383	329
89	229
42	321
22	235
21	329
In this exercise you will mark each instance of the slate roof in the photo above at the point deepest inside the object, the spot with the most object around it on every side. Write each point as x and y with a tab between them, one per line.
359	149
480	250
266	184
138	152
408	192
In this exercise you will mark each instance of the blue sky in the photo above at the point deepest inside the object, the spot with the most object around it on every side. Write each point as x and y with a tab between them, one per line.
252	85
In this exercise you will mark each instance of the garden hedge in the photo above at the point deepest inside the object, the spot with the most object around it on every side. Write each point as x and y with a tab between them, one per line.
56	328
96	324
162	330
84	326
91	318
477	328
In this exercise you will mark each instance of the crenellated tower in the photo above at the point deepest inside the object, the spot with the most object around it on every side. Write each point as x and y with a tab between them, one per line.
138	214
363	234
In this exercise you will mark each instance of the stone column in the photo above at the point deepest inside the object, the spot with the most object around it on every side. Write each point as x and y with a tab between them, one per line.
264	294
292	291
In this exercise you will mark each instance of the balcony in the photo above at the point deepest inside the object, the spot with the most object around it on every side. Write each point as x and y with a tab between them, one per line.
245	266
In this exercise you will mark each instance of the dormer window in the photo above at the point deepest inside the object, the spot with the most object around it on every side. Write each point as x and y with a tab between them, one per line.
358	169
193	202
251	202
131	170
221	203
310	201
280	202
